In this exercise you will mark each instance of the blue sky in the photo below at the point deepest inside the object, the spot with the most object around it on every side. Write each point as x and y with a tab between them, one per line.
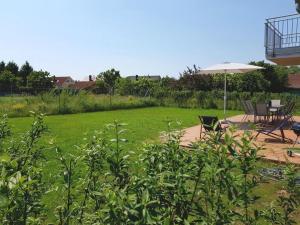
82	37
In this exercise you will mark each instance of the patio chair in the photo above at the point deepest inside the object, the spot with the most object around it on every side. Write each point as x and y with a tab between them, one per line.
275	108
270	130
248	109
275	103
211	124
261	110
287	111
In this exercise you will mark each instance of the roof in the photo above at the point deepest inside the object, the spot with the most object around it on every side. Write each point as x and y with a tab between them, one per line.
155	77
61	80
294	81
83	85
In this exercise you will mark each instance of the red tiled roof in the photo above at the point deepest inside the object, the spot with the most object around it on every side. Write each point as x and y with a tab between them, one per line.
294	81
83	85
61	80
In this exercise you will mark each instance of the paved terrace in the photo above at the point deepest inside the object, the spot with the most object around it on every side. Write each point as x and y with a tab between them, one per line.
274	149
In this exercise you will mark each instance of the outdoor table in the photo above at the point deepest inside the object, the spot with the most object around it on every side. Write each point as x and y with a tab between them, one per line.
276	106
275	109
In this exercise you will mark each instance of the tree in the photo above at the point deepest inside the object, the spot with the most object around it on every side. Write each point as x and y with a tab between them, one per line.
293	69
276	75
25	71
101	87
2	66
12	67
191	80
253	82
7	81
297	2
282	78
125	86
40	81
110	78
144	87
168	82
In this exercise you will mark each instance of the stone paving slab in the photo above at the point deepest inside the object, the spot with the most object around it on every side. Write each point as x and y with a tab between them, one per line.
274	149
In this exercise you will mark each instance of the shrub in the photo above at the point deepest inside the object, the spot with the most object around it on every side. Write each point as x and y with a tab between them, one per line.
212	183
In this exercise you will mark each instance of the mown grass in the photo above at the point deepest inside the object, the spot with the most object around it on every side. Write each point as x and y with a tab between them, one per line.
144	125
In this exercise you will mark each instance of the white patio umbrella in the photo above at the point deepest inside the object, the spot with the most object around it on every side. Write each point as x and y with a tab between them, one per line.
226	68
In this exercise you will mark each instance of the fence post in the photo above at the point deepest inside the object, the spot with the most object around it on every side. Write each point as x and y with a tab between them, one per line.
59	92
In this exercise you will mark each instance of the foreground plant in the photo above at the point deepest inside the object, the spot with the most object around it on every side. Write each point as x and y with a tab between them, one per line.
4	127
215	183
246	163
67	211
21	183
212	182
94	156
167	176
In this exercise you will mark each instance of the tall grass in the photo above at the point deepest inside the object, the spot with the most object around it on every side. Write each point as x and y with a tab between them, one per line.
66	102
215	99
52	103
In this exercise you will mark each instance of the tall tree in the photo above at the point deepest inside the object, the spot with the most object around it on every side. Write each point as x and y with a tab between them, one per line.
276	75
12	67
110	78
25	71
7	81
2	66
40	81
191	79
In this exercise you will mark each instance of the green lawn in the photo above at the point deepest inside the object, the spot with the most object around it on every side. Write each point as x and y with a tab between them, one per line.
144	125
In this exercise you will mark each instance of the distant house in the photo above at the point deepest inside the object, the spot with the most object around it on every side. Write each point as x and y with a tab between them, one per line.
83	85
294	81
64	82
137	77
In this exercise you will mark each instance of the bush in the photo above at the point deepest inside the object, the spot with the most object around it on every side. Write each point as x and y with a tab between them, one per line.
213	183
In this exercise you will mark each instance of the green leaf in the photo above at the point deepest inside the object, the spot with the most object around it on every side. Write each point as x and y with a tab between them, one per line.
4	157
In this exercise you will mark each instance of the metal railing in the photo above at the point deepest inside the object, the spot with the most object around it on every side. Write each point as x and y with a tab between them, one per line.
282	33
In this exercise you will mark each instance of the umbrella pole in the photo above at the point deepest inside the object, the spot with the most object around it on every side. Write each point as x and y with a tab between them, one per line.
225	95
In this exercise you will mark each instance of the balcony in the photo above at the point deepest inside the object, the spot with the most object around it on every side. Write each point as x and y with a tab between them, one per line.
282	40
